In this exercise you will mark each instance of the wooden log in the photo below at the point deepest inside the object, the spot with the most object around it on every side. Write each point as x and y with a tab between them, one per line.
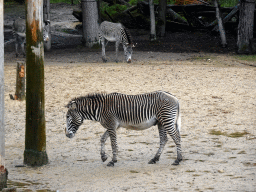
176	16
220	24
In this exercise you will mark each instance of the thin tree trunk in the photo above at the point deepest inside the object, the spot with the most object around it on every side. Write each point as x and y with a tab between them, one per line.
35	136
152	21
245	26
20	82
220	23
162	17
90	23
3	172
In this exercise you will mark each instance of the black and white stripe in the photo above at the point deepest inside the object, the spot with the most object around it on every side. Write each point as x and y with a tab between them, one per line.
136	112
116	32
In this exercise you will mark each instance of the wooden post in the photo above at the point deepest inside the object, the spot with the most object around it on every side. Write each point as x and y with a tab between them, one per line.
245	26
152	21
35	136
220	23
20	82
3	171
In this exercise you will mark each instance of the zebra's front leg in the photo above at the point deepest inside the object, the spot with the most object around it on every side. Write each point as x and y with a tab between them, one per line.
163	141
23	49
117	45
103	141
112	134
103	51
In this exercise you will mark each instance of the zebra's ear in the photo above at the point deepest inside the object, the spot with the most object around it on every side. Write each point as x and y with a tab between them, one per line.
71	105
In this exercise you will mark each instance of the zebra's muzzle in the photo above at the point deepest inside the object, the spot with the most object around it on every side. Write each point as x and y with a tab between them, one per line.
69	134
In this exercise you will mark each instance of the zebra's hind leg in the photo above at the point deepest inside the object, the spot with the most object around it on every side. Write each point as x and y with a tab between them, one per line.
163	141
103	141
177	141
112	134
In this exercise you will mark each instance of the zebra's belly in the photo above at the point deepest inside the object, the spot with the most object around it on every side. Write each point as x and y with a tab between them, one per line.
140	126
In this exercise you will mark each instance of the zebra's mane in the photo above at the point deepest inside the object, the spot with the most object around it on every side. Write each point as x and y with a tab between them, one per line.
128	35
89	96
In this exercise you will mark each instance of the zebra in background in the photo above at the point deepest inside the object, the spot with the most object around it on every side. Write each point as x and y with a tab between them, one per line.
137	112
116	32
19	32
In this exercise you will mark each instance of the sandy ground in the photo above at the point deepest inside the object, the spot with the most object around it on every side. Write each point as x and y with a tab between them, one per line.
216	92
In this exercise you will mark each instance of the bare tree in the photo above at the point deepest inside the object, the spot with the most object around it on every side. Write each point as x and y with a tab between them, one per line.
245	26
3	172
35	136
152	21
90	22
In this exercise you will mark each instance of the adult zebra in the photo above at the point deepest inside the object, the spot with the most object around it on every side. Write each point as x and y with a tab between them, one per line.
116	32
136	112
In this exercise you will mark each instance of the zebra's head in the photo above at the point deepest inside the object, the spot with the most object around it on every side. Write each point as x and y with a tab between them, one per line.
46	30
128	45
128	52
74	119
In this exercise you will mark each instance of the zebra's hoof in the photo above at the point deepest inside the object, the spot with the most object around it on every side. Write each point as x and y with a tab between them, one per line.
111	164
152	161
104	158
176	162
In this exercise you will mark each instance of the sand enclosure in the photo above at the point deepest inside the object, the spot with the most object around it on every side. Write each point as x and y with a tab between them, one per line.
217	96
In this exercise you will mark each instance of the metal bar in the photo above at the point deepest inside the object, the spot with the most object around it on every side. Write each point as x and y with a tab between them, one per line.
3	173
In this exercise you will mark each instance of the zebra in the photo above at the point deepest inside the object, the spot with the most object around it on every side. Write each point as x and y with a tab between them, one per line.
116	32
137	112
19	32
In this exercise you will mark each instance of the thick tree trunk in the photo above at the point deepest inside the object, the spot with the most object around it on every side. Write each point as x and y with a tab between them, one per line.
3	172
90	23
245	26
35	136
162	17
220	24
152	21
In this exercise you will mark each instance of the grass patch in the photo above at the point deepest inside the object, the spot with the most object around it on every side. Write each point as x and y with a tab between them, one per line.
133	171
233	135
246	57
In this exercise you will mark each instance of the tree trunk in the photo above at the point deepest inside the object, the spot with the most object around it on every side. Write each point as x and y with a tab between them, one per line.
3	172
220	23
152	21
20	82
35	136
90	23
162	17
245	26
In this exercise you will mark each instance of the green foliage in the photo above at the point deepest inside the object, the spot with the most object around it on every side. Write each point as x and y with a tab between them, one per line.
228	3
65	1
111	10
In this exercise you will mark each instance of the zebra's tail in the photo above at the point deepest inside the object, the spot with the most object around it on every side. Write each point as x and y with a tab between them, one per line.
178	118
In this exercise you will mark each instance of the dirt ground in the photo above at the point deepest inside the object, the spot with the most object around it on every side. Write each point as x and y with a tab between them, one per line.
217	97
